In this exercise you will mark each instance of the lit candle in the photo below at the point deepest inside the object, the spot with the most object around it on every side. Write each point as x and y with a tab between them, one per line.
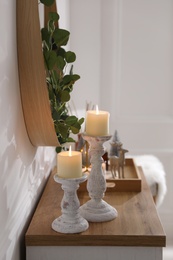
69	164
97	122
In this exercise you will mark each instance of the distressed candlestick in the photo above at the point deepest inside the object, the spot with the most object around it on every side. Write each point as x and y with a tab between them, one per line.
70	221
96	209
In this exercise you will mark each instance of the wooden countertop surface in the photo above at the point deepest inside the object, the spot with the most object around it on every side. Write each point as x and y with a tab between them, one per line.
137	223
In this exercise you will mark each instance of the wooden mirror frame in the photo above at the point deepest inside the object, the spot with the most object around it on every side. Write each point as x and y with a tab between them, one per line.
32	77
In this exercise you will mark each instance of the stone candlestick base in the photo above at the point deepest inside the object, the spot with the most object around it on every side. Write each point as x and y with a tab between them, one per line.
96	209
70	221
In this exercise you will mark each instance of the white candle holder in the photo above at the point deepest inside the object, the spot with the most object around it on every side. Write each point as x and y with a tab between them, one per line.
96	209
70	221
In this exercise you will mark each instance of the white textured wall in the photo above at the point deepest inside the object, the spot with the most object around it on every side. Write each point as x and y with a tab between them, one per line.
23	168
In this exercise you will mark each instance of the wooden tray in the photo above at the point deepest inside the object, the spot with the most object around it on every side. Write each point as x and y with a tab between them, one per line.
131	182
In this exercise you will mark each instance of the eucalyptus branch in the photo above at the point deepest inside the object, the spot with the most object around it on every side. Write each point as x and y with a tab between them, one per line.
59	81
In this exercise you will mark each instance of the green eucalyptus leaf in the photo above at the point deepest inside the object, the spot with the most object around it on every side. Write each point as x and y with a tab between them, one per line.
75	77
65	96
75	128
58	149
47	2
60	63
61	52
70	79
71	120
80	121
63	129
70	56
53	16
51	58
45	36
67	79
70	140
55	115
61	36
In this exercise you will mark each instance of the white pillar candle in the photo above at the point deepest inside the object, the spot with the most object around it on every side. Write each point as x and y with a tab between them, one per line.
97	123
69	164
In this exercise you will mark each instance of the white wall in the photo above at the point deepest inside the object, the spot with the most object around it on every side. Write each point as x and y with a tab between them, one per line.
85	42
23	168
125	57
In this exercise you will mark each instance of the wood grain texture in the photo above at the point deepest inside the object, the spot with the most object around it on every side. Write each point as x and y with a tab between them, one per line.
137	224
34	94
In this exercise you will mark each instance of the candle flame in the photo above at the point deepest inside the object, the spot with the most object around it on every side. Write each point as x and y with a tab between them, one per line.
70	151
97	110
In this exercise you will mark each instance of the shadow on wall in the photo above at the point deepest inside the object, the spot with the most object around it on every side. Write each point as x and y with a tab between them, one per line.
23	172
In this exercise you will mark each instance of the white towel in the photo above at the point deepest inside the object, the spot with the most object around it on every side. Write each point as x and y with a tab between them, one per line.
154	173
